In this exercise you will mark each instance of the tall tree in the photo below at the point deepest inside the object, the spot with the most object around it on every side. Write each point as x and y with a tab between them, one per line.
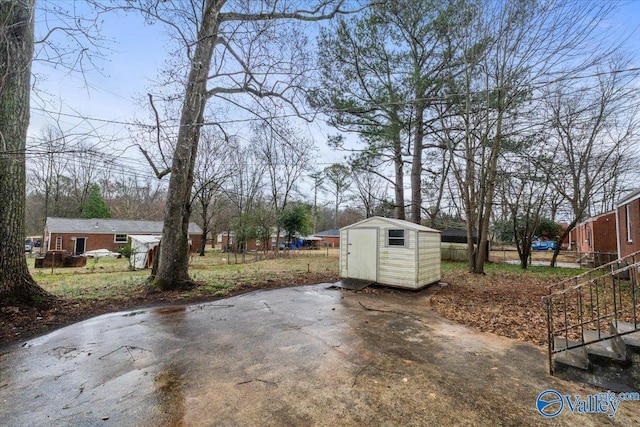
337	183
210	175
511	50
593	127
94	205
16	54
361	92
233	49
286	156
382	73
17	43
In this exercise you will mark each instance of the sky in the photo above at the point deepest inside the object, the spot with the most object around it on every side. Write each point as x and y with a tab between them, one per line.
137	52
109	99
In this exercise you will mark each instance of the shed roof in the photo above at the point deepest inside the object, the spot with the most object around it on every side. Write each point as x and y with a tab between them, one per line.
109	226
145	238
400	223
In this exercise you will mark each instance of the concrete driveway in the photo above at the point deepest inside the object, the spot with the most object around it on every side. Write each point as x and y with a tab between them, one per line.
288	357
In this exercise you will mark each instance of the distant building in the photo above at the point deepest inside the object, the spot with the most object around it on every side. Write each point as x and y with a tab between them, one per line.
79	235
597	234
329	238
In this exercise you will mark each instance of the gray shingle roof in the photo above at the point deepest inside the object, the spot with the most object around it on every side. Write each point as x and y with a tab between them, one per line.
109	226
334	232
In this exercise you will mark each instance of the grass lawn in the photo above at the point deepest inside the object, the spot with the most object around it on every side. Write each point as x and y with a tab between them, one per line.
217	273
505	301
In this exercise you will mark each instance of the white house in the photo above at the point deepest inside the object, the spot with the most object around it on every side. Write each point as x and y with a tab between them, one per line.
391	252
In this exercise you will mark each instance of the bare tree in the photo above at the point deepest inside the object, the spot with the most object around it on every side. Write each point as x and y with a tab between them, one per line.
48	170
234	49
209	177
317	177
510	51
370	190
524	188
244	190
286	156
337	183
593	128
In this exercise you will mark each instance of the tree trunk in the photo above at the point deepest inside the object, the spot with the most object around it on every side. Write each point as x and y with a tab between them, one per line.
399	175
16	53
416	166
486	207
173	261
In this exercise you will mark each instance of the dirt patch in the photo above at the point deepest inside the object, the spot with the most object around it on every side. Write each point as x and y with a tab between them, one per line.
18	324
503	303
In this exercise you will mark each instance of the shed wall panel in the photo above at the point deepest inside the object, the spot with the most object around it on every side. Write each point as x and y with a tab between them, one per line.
429	258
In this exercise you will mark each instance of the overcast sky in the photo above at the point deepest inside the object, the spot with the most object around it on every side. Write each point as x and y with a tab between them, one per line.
136	55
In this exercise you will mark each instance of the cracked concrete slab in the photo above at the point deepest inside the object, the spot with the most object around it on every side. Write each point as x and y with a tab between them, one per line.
296	356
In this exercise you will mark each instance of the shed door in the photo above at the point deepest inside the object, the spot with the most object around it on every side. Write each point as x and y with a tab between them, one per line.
362	253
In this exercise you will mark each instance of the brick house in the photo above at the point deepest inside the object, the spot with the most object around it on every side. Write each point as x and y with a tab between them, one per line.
597	234
79	235
329	238
628	218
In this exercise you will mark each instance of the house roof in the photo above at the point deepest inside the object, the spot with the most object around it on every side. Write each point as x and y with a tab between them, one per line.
635	194
334	232
395	222
595	218
109	226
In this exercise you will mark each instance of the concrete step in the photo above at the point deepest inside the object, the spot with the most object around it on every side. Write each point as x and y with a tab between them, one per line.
574	357
631	339
611	350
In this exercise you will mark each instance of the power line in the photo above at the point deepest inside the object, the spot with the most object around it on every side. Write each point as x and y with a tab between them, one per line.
313	115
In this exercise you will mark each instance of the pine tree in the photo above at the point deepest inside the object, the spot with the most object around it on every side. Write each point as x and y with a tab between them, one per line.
94	206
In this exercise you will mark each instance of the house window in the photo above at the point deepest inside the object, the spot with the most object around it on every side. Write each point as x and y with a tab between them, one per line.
395	238
58	243
120	238
627	212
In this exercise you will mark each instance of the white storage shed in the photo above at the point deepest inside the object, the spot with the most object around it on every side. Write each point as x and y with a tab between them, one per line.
391	252
141	250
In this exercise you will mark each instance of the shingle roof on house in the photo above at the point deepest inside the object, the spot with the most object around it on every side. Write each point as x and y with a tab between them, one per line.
334	232
109	226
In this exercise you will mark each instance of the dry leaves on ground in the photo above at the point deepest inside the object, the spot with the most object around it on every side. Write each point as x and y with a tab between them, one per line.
503	303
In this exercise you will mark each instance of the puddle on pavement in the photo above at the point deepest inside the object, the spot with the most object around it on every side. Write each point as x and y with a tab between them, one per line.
170	394
169	310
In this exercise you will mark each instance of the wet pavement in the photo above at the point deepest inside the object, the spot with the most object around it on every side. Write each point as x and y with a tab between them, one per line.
288	357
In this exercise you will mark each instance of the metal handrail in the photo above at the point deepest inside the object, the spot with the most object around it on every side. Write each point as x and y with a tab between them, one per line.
635	257
610	298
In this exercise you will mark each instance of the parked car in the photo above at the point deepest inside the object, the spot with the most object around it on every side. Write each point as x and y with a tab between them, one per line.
543	245
27	246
